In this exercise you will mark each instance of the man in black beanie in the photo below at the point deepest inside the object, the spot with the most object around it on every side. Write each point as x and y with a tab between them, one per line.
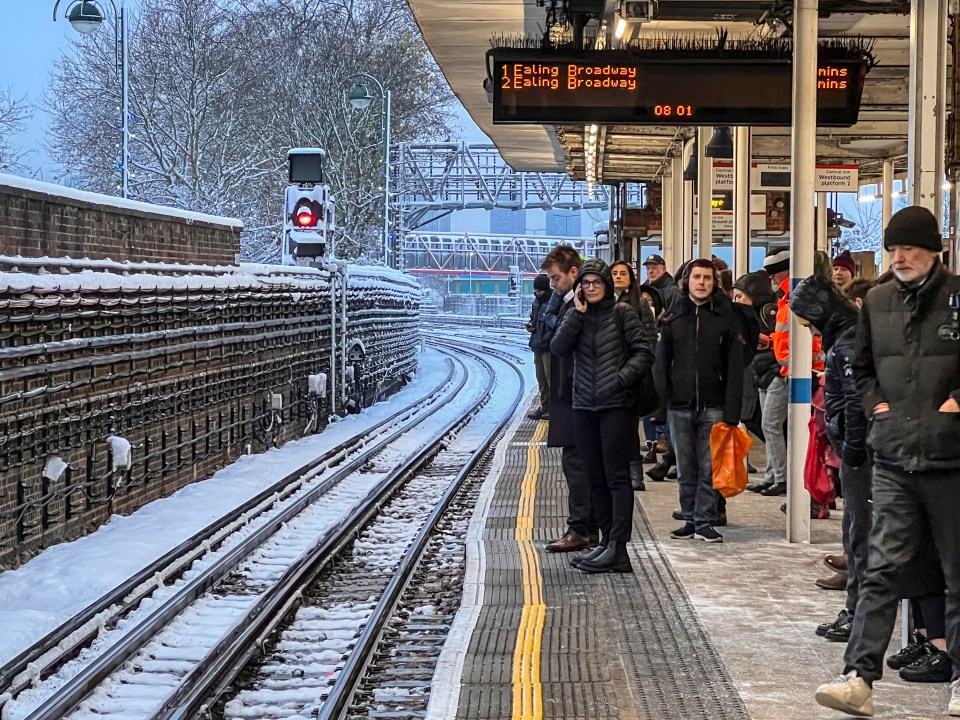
907	370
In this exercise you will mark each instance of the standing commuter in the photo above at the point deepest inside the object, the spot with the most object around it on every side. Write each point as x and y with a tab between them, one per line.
659	279
612	354
817	301
544	304
562	265
699	371
626	289
844	270
907	370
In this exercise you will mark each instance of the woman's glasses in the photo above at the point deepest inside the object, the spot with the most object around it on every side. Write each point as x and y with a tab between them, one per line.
591	283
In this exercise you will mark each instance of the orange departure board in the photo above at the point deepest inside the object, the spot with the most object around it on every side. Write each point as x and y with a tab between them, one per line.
611	87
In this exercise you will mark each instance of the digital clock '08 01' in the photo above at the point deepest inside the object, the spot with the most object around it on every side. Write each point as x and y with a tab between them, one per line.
611	87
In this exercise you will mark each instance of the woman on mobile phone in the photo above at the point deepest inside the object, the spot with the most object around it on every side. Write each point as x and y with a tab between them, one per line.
612	353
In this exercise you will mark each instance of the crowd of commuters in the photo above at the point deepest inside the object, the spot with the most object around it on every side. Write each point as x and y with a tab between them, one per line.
670	358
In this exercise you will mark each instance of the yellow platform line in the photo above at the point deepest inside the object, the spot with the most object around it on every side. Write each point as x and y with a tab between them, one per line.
527	691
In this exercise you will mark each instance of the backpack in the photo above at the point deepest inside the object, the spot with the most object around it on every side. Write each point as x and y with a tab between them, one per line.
646	400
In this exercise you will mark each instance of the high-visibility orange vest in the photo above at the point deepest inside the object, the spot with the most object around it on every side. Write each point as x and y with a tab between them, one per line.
781	336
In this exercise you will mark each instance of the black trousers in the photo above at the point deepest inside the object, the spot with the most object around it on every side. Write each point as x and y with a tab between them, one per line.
856	483
603	443
580	516
902	502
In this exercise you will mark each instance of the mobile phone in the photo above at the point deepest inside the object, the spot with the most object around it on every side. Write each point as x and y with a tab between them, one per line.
581	297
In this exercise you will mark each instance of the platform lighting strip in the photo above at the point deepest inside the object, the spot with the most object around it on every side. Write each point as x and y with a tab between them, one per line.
590	136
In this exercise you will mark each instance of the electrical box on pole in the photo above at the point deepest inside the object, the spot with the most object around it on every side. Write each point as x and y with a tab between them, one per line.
308	218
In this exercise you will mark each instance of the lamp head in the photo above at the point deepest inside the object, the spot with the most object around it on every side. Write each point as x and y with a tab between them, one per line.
85	17
360	97
690	173
721	144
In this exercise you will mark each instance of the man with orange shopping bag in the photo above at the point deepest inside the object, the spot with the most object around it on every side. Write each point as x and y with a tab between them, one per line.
699	372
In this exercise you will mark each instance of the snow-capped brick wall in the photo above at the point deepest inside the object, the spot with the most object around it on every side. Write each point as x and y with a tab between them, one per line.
120	383
41	219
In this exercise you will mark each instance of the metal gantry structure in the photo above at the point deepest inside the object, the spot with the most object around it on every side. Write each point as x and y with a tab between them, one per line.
439	178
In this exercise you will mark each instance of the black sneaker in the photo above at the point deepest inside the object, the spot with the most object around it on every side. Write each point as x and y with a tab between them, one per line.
684	533
842	617
840	633
677	515
933	667
708	534
908	654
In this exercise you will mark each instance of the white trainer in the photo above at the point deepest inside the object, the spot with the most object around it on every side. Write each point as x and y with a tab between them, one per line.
953	709
848	693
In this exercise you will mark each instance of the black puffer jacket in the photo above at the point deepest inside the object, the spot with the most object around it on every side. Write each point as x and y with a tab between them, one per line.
817	300
602	374
700	357
764	366
907	357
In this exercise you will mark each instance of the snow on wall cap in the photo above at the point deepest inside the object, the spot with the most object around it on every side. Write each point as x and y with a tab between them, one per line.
306	151
67	193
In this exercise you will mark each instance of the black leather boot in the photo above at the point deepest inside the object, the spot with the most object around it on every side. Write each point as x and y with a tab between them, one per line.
593	554
658	473
636	475
613	559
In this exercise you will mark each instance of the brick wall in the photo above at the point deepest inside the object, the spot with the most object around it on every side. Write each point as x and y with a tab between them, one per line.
180	365
39	219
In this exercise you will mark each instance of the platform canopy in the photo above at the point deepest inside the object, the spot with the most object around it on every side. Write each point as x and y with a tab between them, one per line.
460	33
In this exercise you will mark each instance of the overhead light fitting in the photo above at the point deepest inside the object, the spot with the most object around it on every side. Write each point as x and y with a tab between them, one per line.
620	28
721	144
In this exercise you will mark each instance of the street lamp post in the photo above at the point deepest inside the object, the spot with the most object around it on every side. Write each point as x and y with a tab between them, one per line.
86	17
360	98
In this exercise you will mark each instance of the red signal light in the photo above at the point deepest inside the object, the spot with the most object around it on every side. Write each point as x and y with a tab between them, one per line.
305	217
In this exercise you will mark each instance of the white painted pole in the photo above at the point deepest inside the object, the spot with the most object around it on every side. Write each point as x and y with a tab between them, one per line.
688	217
804	153
704	195
823	242
741	202
679	219
668	232
927	94
886	212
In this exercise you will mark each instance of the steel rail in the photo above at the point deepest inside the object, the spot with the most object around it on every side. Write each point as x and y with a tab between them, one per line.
210	679
25	666
337	702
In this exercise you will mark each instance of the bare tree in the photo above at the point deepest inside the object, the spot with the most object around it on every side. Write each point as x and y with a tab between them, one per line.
220	91
14	113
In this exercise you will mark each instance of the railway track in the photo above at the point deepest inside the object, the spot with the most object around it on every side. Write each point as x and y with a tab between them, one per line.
181	644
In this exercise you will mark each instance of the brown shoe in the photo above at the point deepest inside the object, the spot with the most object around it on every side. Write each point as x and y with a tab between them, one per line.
838	581
837	563
570	542
663	445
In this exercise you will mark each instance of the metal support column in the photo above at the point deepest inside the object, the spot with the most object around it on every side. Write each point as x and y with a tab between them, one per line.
686	247
668	233
928	98
804	153
886	212
705	194
679	218
823	242
741	202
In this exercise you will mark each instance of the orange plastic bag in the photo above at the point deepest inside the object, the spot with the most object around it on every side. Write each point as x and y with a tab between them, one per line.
729	445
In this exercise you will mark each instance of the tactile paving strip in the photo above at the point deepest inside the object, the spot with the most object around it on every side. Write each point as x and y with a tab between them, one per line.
625	647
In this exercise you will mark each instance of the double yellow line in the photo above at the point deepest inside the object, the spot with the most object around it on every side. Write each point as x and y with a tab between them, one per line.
527	691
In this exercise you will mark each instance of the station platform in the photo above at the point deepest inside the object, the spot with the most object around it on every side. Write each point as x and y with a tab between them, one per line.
719	631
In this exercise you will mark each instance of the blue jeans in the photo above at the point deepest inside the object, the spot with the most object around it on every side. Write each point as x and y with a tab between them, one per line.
690	435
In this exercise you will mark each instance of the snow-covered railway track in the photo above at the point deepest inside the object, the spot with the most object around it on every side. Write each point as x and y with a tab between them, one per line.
171	625
308	658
